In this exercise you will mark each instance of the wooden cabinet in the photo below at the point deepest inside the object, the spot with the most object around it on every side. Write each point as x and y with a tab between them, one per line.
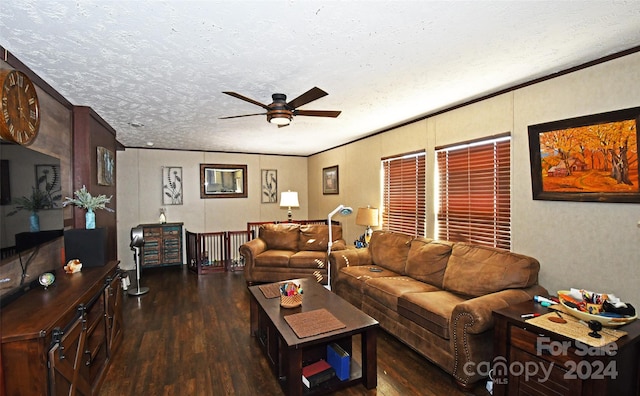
533	361
61	340
162	245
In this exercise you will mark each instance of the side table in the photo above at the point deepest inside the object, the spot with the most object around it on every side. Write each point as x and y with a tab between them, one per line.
530	360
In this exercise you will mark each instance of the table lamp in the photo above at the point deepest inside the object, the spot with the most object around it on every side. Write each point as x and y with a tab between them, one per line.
367	217
289	199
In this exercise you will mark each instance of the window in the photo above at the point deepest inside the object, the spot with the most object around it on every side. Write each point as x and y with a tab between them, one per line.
404	194
475	192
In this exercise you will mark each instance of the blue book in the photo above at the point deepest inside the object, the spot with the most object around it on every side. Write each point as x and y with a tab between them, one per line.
339	359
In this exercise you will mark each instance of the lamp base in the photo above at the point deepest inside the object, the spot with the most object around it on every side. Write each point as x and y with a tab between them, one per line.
367	235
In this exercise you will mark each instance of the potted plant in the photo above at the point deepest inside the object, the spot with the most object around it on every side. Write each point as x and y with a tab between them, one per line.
38	200
84	200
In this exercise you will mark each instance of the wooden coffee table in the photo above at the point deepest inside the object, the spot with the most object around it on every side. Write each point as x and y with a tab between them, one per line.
287	353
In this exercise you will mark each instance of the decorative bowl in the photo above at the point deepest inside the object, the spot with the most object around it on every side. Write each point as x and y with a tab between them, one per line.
605	320
291	301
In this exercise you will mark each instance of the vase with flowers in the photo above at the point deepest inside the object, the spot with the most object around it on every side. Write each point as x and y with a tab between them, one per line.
38	200
85	200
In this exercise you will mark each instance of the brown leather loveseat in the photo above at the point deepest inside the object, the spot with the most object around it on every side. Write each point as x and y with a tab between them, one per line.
436	296
288	251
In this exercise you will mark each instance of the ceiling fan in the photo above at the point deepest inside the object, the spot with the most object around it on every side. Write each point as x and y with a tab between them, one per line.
280	112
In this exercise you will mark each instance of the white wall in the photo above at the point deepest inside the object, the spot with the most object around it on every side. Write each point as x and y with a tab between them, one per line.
140	192
587	245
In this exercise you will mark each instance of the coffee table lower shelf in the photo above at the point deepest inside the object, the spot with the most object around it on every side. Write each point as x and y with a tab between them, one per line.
287	354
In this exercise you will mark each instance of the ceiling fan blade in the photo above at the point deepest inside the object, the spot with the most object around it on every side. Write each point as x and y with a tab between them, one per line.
309	96
317	113
244	115
241	97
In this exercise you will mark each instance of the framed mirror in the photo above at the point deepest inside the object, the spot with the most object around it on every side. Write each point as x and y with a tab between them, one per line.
223	181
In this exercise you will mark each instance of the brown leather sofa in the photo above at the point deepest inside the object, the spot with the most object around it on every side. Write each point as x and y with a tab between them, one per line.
436	296
288	251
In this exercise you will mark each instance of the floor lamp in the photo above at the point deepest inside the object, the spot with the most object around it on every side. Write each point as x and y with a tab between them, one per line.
345	211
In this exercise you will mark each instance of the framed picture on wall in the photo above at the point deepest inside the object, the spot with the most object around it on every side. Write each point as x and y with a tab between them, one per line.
172	185
269	184
330	181
591	158
106	166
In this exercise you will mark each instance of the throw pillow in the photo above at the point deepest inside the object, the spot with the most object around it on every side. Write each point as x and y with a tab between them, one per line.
282	236
427	260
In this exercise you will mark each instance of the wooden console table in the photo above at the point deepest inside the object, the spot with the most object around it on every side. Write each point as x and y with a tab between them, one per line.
61	340
573	368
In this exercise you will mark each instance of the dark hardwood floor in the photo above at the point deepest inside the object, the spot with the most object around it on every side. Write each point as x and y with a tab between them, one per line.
190	336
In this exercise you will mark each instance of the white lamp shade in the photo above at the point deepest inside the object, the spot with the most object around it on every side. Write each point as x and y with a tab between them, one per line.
367	217
289	199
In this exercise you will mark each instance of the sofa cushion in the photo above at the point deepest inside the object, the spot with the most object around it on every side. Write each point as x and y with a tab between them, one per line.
389	250
478	270
355	276
280	236
308	259
431	310
273	258
427	260
386	290
316	236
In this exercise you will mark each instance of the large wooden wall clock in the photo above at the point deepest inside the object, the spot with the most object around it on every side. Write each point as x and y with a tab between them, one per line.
20	118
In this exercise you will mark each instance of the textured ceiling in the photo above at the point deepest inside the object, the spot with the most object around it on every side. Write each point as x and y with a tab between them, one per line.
164	64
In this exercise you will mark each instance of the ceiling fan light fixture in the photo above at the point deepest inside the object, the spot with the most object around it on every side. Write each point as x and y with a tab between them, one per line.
279	116
280	119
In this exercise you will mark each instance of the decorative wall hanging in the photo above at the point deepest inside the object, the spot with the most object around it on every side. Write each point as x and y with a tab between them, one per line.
106	167
269	182
48	181
330	181
223	181
589	158
172	185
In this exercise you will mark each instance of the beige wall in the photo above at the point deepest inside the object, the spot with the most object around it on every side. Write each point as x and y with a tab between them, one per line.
139	181
585	245
588	245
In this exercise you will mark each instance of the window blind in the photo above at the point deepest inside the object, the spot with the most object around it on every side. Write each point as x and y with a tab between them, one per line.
404	194
475	193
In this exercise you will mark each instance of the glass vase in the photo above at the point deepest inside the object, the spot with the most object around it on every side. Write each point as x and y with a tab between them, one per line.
90	219
34	222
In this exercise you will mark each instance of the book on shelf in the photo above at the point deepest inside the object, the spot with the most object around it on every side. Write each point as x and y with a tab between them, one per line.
317	373
339	359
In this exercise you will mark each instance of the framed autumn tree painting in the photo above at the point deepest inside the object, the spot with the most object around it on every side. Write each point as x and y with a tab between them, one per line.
591	158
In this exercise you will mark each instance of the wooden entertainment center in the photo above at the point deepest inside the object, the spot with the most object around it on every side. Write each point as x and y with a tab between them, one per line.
60	340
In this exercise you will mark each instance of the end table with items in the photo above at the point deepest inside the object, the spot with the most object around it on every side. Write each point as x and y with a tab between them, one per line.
530	359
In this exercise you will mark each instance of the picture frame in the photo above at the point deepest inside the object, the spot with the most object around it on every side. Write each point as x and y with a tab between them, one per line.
592	158
172	185
269	186
223	181
330	180
106	166
48	180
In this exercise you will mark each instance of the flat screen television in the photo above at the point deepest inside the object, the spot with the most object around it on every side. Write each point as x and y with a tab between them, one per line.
23	170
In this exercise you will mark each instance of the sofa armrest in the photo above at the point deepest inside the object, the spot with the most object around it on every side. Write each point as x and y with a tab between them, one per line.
249	251
476	315
471	341
349	256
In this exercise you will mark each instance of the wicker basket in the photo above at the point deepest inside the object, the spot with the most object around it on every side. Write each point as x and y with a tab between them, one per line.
291	301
